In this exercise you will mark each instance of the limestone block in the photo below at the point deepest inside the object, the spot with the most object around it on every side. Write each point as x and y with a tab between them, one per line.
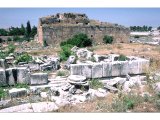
76	69
97	70
3	81
23	75
39	78
17	92
11	76
3	63
133	67
107	69
124	68
116	68
86	70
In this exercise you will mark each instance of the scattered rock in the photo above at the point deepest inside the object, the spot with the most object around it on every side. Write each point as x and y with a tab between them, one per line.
72	90
111	89
43	94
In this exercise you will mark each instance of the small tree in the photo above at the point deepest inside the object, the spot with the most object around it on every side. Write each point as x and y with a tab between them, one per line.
108	39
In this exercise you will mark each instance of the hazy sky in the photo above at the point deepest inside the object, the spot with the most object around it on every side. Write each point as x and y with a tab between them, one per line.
123	16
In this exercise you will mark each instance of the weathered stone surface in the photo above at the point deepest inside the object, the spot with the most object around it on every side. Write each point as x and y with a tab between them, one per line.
3	81
17	92
44	107
39	78
76	69
111	89
157	87
17	108
116	68
76	78
107	69
66	87
86	70
43	94
23	75
97	70
72	90
54	91
11	76
3	63
124	68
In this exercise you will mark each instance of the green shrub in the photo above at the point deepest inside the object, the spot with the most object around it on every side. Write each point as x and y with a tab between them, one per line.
45	43
122	58
136	36
9	39
95	84
108	39
24	58
2	93
61	73
79	40
11	48
65	52
20	85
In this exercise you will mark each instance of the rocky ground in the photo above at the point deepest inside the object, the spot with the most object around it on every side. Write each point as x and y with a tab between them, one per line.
139	93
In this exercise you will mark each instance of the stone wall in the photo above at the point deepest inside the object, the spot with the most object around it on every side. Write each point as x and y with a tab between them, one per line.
56	28
54	35
110	69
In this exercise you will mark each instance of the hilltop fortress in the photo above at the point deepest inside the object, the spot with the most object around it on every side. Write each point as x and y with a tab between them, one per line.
56	28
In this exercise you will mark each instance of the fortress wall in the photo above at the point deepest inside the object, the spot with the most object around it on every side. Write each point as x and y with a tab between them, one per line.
54	35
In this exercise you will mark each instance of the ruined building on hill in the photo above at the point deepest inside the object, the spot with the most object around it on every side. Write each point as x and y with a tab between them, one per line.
56	28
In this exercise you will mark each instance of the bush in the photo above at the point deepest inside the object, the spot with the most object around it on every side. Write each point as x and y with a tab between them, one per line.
122	58
79	40
9	39
1	40
136	36
11	48
19	85
45	43
108	39
61	73
2	93
65	52
95	84
24	58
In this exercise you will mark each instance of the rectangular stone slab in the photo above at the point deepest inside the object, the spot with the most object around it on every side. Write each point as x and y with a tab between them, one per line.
2	78
97	70
86	70
116	68
23	75
76	69
39	78
107	69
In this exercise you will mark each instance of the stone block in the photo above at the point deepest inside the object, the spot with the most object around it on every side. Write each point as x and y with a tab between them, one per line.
76	69
23	75
116	68
39	78
97	70
133	67
3	81
86	70
17	92
124	69
11	76
107	69
3	63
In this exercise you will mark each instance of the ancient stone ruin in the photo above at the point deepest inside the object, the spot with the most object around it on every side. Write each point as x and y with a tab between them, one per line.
56	28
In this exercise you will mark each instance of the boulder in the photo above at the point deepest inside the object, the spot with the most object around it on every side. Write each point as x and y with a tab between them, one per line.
17	92
111	89
3	81
74	49
72	90
39	78
23	75
70	60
